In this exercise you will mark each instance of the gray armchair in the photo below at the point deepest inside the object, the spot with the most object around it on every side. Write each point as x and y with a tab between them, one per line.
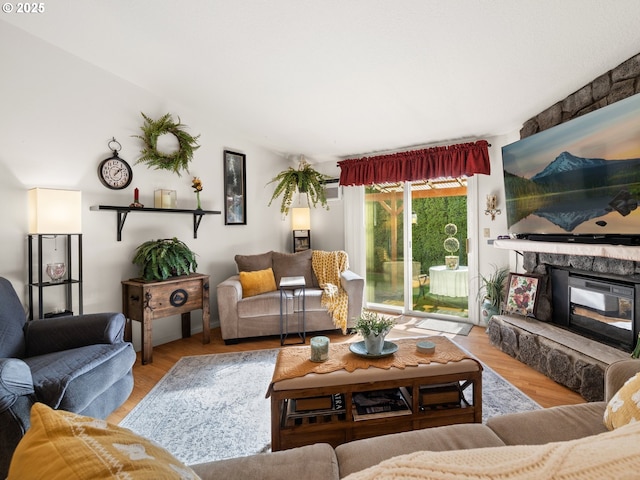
80	364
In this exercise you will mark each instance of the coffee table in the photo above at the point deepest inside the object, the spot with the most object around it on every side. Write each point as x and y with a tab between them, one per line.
341	423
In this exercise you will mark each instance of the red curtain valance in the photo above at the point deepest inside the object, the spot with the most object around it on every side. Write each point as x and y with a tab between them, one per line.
454	161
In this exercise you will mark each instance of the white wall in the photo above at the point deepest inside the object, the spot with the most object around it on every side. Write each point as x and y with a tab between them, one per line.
57	115
492	184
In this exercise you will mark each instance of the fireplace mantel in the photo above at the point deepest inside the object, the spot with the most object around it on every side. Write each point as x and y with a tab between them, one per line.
622	252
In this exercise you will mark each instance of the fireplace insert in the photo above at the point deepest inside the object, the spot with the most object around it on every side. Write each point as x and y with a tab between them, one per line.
600	308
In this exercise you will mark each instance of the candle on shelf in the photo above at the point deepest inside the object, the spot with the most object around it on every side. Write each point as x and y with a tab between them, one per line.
319	349
136	199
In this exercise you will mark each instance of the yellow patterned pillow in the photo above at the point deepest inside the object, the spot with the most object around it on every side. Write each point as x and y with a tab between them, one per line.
624	406
257	282
65	446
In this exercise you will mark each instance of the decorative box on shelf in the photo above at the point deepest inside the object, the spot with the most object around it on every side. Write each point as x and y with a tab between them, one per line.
165	199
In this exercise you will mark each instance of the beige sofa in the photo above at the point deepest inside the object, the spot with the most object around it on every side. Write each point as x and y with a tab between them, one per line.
259	315
563	424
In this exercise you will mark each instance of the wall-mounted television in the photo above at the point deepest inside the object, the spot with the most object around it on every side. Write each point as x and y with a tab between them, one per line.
578	181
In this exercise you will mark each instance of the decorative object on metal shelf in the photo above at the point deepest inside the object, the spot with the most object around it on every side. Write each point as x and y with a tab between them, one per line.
56	271
235	184
114	172
178	159
165	199
136	199
492	206
451	245
197	187
305	180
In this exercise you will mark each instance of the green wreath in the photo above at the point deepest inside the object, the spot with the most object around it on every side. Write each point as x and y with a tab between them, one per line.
175	161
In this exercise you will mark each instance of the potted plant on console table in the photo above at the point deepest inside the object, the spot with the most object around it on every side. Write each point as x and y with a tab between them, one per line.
164	258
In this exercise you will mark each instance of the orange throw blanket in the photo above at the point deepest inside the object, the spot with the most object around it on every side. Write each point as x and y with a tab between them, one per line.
328	266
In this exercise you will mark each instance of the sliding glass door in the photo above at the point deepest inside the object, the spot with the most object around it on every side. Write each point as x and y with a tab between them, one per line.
384	221
416	257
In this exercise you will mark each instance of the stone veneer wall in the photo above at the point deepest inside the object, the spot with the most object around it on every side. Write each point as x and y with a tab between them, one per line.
621	82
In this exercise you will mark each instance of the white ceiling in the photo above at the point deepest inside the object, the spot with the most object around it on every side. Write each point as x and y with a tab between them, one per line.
333	78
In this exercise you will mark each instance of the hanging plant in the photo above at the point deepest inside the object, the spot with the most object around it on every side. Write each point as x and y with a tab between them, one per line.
176	161
305	180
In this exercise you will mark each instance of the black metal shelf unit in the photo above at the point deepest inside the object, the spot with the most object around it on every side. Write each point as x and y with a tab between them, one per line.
38	284
124	211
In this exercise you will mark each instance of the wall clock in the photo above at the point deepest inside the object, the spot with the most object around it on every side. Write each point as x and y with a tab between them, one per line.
114	172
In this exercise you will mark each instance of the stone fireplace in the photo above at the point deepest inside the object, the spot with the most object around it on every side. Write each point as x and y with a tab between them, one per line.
576	359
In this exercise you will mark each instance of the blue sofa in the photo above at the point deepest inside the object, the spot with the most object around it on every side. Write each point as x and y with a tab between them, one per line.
80	364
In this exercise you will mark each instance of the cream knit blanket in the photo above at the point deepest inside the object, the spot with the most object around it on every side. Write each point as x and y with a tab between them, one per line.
328	266
614	455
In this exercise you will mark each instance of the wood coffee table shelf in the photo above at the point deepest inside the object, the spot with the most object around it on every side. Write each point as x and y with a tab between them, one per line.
341	427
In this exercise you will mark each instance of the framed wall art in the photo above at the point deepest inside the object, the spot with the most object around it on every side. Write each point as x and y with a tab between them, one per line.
235	199
522	294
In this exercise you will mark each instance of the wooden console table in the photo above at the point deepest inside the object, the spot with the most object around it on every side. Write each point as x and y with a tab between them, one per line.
146	301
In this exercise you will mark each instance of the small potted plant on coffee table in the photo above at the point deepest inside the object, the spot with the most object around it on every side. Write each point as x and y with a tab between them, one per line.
374	328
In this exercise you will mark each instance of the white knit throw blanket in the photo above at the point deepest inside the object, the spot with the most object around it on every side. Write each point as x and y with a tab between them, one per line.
614	455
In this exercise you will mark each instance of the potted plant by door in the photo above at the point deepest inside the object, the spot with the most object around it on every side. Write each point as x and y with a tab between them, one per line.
492	292
373	327
164	258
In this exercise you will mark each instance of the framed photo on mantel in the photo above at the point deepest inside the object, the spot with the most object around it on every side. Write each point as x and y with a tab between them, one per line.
235	199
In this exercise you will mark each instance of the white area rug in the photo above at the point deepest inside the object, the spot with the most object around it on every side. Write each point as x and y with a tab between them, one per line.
211	407
445	326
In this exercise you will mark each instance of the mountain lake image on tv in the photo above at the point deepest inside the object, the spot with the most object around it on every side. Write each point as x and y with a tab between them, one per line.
578	181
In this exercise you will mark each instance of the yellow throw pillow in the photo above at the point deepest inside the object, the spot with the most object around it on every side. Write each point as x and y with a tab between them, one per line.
624	406
257	282
61	445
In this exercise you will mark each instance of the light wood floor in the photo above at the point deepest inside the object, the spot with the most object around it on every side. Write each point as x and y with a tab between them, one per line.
537	386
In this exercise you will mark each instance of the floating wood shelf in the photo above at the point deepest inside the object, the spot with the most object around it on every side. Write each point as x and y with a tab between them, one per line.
124	211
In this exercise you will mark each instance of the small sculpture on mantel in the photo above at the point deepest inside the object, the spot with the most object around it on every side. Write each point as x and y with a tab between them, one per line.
136	200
